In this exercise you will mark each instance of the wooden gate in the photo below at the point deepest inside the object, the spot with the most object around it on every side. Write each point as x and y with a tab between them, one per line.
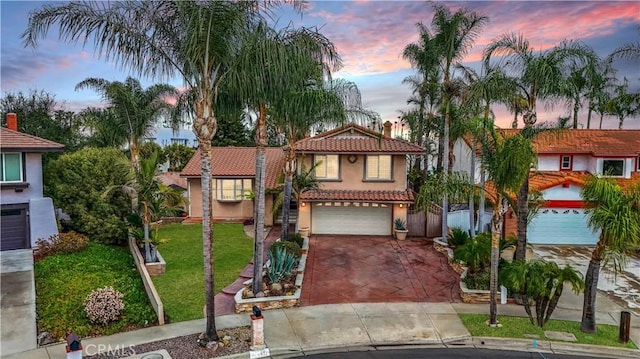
421	225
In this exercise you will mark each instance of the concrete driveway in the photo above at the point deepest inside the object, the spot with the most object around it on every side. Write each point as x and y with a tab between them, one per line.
17	302
368	269
623	288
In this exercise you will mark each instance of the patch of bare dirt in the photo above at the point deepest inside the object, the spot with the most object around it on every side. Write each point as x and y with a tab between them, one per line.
238	340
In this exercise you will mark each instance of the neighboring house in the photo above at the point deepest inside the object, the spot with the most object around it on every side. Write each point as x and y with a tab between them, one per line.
362	174
565	160
363	181
233	173
26	214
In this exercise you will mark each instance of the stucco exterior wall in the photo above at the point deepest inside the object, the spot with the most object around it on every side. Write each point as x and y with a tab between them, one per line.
225	211
352	175
33	176
194	189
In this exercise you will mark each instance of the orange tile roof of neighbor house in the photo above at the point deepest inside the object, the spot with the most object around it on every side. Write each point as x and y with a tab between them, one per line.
11	140
238	162
353	138
595	142
352	195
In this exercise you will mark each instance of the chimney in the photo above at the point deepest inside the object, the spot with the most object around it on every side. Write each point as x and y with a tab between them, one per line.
387	128
12	121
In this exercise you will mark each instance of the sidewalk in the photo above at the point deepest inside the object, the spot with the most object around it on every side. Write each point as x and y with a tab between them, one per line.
369	326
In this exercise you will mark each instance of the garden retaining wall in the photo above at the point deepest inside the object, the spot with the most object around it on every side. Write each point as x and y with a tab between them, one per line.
154	298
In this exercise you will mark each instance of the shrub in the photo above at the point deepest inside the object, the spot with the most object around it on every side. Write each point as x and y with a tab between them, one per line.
458	237
281	263
88	186
476	253
296	238
69	242
104	305
290	247
479	280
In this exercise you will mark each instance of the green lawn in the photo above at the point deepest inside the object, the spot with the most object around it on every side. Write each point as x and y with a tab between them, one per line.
63	281
181	288
517	327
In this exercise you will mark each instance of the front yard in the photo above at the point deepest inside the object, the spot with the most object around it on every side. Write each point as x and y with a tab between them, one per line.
518	327
63	281
181	288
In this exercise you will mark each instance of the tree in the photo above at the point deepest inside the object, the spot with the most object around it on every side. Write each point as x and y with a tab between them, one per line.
104	128
537	75
39	115
454	34
294	61
92	210
506	160
178	156
542	282
623	103
616	214
137	110
194	40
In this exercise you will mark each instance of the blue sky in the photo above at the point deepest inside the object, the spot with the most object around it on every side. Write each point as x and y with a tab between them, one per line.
370	36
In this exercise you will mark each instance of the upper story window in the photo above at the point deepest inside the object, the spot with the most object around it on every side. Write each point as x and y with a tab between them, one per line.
566	162
638	164
379	167
11	164
235	189
328	166
613	167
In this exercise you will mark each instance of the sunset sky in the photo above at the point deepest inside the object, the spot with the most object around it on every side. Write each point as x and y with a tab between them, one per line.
370	36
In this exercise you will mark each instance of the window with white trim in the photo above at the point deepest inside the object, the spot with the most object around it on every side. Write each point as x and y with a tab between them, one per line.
233	189
328	166
565	163
613	167
379	167
638	164
11	164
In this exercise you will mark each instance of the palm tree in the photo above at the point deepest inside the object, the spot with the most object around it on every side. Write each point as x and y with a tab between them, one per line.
291	59
616	214
537	76
162	39
623	103
137	109
454	34
506	160
542	282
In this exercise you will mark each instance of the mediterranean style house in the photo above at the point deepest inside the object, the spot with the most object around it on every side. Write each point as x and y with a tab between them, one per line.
362	174
564	161
26	214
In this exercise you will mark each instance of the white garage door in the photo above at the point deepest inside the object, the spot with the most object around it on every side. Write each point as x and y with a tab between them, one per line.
351	220
561	226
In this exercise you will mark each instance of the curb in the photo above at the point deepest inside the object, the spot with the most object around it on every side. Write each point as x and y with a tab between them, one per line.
557	347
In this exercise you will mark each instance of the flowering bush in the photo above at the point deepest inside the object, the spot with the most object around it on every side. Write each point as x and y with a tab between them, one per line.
104	305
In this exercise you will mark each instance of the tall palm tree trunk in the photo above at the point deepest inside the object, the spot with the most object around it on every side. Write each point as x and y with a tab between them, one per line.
481	205
259	205
286	205
472	212
210	333
205	127
496	230
589	116
601	117
523	208
588	324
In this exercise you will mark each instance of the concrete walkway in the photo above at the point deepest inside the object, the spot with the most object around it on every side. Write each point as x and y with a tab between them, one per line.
358	326
17	302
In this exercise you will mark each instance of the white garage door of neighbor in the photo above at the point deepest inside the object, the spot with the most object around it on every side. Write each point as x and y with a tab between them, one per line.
561	226
351	220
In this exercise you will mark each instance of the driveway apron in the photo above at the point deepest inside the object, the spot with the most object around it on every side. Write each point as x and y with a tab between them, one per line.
368	269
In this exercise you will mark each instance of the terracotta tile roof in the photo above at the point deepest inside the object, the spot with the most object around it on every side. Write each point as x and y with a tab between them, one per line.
238	162
355	139
543	180
595	142
350	195
17	141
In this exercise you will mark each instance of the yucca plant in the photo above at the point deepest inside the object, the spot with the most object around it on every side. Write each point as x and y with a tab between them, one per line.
281	264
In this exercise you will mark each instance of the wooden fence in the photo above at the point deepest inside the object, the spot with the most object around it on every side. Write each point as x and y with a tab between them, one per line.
421	225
